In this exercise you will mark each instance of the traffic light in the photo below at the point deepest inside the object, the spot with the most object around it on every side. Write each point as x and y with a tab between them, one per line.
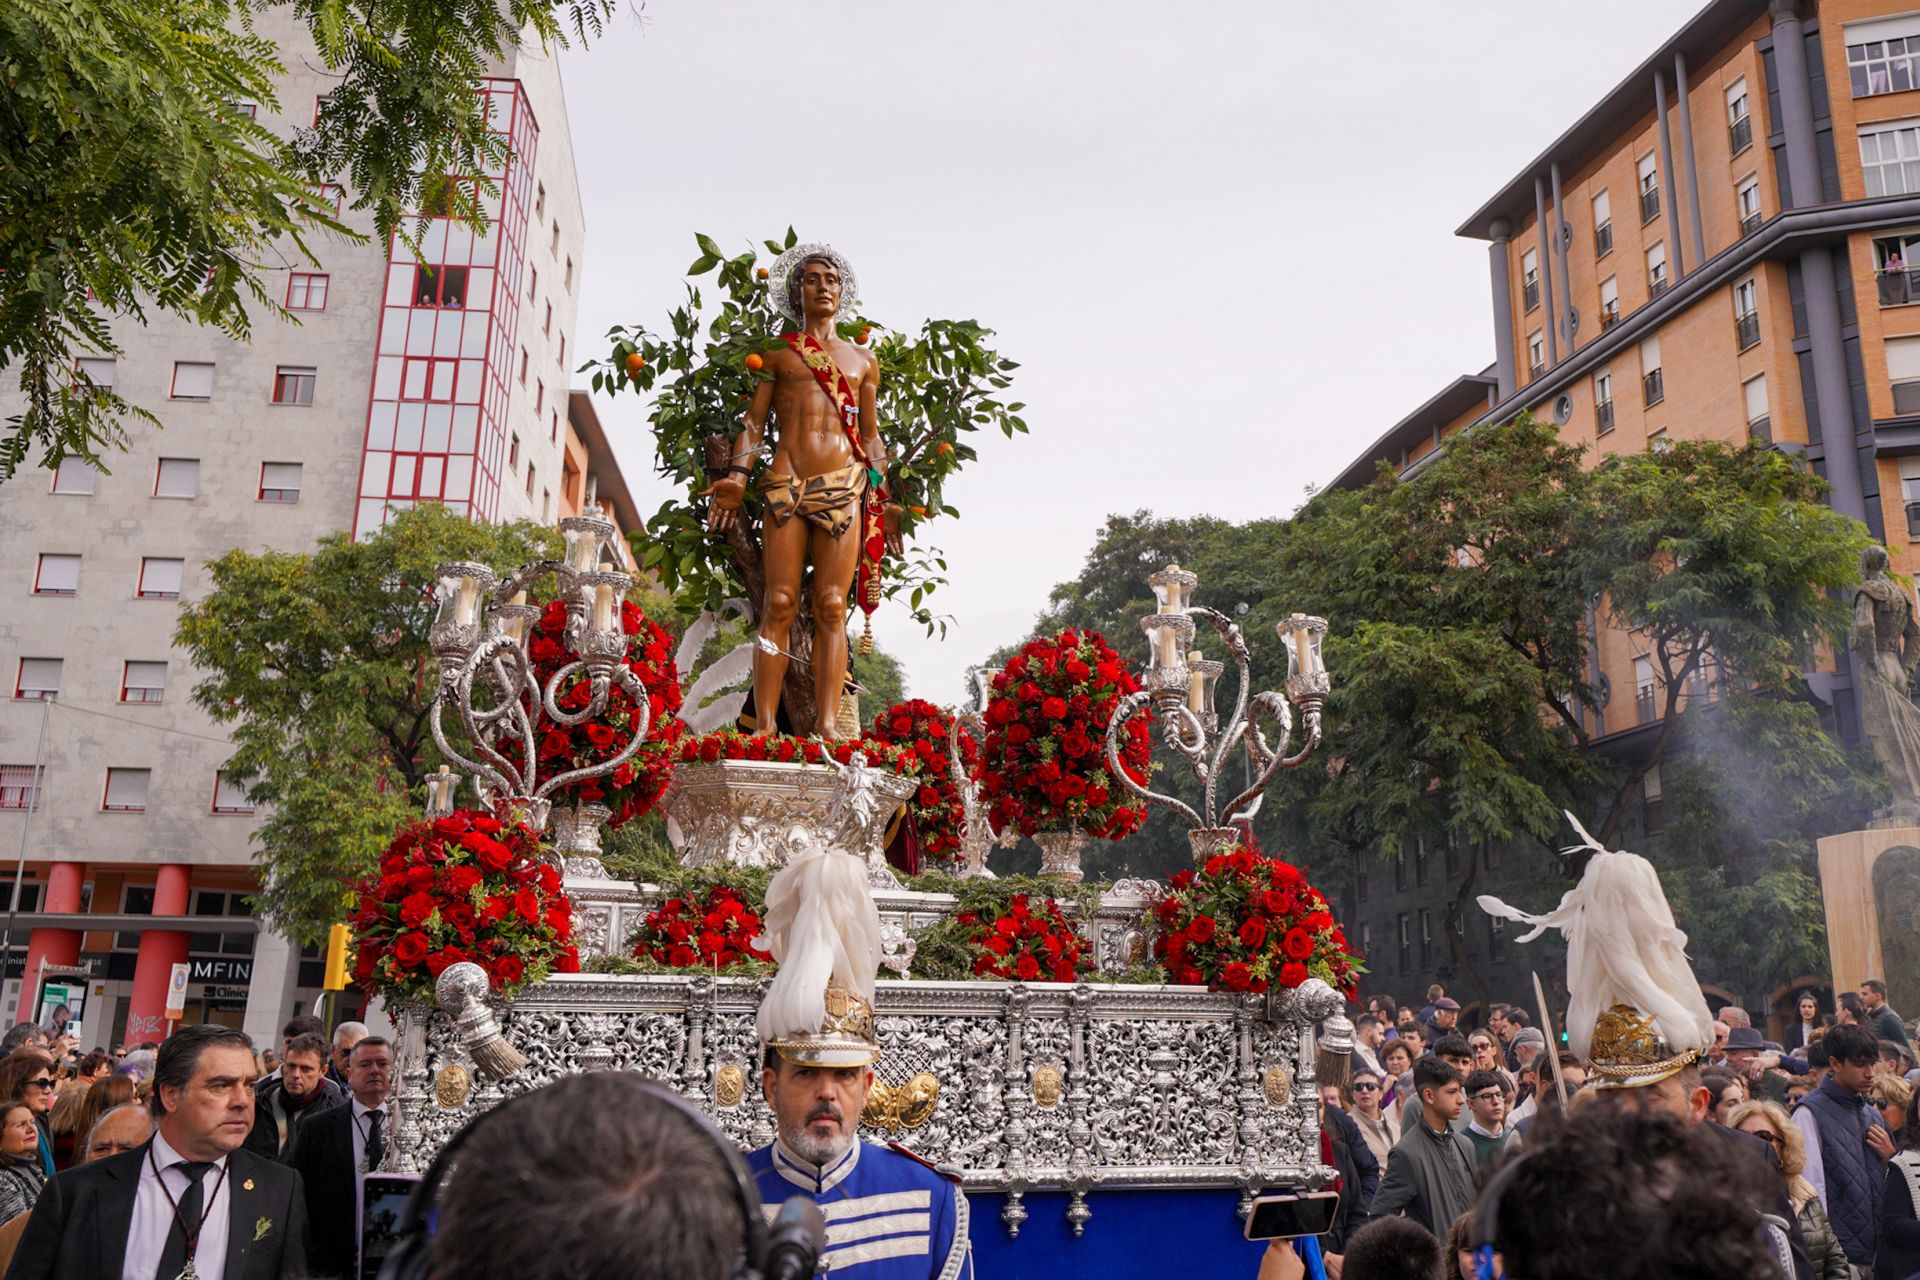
338	940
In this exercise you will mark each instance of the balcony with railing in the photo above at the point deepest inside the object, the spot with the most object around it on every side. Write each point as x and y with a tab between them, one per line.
1603	240
1746	328
1740	135
1643	705
1657	286
1760	430
1899	285
1535	371
1609	315
1750	224
1530	294
1649	204
1603	416
1654	386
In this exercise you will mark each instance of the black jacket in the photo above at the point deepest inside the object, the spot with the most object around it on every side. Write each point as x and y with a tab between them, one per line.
80	1226
322	1153
264	1137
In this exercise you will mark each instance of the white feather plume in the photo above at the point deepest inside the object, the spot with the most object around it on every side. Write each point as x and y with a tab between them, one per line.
1622	948
821	925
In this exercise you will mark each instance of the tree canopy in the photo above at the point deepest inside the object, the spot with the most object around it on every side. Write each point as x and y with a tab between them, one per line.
134	183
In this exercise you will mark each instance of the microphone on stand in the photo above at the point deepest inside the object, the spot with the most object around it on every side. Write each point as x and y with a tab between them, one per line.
794	1242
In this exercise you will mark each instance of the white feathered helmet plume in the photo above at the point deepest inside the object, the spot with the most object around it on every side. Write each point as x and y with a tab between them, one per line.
1635	1011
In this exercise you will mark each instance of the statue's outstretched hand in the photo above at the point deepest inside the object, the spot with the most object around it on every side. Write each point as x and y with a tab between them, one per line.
890	522
727	493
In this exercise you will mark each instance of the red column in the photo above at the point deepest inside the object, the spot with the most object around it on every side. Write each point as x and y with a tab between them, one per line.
52	946
160	950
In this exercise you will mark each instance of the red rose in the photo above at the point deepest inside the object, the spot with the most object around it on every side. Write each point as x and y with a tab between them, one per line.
1298	944
1216	865
1201	930
494	909
1054	708
929	797
440	961
509	969
1253	933
1242	861
450	826
1292	974
415	908
409	949
682	957
1026	968
419	879
601	735
460	917
1236	976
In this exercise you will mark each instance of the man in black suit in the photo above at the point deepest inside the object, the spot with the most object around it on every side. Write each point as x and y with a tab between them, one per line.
191	1195
332	1150
301	1092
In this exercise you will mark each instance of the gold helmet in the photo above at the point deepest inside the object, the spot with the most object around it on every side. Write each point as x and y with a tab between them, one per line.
1628	1051
844	1037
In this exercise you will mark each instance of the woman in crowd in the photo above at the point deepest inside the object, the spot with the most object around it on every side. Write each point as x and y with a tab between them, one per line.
1800	1030
112	1092
1461	1264
1486	1057
1899	1235
26	1076
1891	1095
96	1066
64	1124
1725	1091
1849	1011
1379	1124
1397	1058
20	1174
1768	1120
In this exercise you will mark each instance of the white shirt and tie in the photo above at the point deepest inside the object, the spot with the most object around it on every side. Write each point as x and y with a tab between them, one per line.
153	1215
364	1120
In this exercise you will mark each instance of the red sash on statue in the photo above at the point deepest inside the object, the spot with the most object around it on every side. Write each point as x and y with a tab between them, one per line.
873	506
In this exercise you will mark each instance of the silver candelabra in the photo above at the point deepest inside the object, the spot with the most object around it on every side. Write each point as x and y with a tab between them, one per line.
1179	684
490	655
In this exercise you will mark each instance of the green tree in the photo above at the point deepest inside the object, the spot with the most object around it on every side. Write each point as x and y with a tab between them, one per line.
132	184
885	682
321	664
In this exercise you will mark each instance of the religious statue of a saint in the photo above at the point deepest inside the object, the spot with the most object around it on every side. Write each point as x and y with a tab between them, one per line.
1886	648
824	488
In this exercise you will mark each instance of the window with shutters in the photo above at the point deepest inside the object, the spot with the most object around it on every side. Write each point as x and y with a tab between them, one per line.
19	786
1747	203
539	199
1426	937
56	575
75	476
1657	268
1746	313
546	325
293	385
1649	188
279	482
530	471
1536	354
1882	55
1405	940
1653	383
99	370
192	380
1609	302
546	505
1739	122
177	478
37	678
1530	278
533	282
568	283
126	790
1759	424
1643	688
160	577
523	366
228	797
1910	494
1890	158
306	291
1603	402
1602	225
143	682
1903	372
513	451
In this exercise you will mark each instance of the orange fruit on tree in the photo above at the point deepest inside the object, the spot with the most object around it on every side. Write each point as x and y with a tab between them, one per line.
943	448
635	364
754	362
919	511
762	273
863	336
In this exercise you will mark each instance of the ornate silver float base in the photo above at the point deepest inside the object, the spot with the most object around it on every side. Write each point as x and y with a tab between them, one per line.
754	813
1060	855
1021	1087
1207	841
576	834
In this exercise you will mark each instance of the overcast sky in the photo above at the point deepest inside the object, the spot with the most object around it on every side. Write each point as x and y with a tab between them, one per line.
1218	238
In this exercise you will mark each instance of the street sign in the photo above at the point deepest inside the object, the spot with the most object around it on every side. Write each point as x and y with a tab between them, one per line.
177	992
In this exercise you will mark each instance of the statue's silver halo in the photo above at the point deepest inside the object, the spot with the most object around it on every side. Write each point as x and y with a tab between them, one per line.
779	274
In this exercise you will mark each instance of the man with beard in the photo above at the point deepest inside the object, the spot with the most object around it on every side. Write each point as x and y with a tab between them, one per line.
301	1091
890	1214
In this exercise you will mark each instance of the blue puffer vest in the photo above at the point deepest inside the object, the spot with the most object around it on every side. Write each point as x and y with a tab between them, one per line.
1853	1175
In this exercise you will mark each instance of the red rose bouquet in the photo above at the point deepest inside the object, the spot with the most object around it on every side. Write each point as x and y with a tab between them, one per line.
714	929
731	744
1027	940
1044	761
936	812
463	887
1246	922
634	788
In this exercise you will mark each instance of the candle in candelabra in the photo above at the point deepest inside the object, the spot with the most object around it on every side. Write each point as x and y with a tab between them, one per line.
584	552
466	607
1302	644
1196	685
603	608
516	627
1166	648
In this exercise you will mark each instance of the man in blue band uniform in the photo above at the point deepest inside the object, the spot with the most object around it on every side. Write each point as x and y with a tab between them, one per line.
890	1215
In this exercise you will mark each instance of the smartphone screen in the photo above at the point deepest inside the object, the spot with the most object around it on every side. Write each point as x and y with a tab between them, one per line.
383	1204
1290	1216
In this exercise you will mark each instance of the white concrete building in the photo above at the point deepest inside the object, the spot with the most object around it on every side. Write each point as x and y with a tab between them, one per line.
402	382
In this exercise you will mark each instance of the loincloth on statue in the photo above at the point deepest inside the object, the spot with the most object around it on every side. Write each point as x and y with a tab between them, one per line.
828	502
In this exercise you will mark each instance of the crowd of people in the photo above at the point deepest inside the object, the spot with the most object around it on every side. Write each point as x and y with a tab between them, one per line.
1431	1113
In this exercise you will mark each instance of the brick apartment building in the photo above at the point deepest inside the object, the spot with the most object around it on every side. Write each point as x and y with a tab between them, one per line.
1730	255
404	382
